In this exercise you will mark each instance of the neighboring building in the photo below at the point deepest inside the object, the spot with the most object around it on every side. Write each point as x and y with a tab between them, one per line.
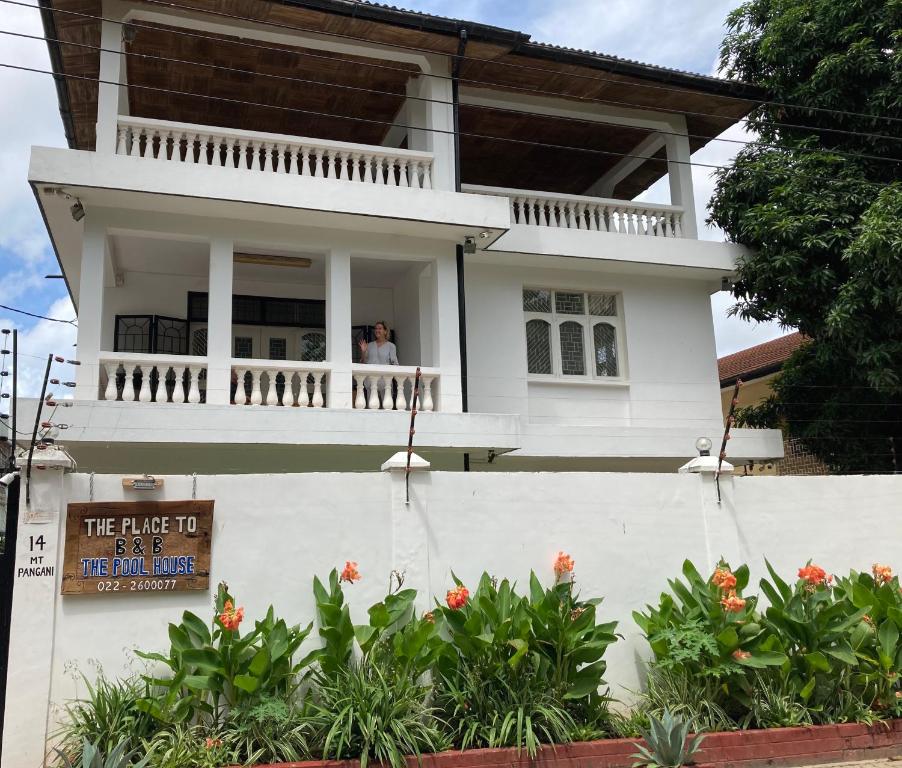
756	367
243	198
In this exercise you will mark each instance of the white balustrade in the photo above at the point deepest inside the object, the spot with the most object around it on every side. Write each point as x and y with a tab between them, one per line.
252	152
390	388
153	378
596	214
283	383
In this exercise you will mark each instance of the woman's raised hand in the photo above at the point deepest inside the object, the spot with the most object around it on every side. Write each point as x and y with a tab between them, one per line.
363	349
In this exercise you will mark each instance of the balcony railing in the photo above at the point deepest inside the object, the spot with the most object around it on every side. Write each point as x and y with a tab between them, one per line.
153	378
390	388
282	383
596	214
252	152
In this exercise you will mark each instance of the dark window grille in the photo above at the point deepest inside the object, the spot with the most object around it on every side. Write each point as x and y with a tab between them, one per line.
263	310
151	334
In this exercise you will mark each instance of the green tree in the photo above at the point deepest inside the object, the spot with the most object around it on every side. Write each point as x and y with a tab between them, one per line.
817	198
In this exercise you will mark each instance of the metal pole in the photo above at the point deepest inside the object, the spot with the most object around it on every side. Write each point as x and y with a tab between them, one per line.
413	418
34	434
12	456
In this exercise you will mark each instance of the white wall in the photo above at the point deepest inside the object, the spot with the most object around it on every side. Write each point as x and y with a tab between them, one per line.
669	355
628	533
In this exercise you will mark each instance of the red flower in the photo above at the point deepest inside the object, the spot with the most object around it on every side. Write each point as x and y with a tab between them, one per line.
739	654
724	579
211	743
563	564
350	573
230	618
457	597
814	575
883	574
732	603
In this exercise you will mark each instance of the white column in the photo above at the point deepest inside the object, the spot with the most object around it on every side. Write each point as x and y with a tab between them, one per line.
90	309
446	335
35	595
436	115
680	175
112	72
219	322
338	328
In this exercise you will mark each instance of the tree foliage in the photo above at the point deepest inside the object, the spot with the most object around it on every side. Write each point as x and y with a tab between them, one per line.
817	198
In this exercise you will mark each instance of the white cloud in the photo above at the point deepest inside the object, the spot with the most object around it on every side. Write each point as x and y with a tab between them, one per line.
38	341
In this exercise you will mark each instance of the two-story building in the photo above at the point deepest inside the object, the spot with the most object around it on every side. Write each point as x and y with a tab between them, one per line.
250	187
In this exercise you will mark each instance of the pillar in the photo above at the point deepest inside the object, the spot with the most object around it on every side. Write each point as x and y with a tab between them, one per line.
112	71
680	175
437	116
219	322
338	329
446	335
90	308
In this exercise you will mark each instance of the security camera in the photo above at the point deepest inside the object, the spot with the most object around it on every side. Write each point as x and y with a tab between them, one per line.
77	210
726	283
9	477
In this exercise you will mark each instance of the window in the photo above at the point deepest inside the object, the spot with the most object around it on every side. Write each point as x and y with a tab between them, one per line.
244	347
278	349
572	334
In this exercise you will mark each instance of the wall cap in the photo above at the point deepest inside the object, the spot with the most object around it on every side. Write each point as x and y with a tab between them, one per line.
399	461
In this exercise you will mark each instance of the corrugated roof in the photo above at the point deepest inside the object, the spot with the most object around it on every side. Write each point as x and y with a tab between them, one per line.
758	360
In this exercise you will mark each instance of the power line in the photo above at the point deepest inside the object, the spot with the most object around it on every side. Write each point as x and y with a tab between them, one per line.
39	317
509	140
491	108
533	91
495	62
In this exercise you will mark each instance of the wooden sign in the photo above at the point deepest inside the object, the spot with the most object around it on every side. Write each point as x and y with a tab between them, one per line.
133	547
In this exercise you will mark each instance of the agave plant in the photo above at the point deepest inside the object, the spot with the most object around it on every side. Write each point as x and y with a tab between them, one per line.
667	743
92	757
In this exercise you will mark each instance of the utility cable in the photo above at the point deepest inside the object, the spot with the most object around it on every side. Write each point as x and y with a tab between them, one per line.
477	83
424	99
39	317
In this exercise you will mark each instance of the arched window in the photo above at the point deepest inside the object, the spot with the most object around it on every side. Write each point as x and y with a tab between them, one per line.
573	350
538	347
605	349
313	347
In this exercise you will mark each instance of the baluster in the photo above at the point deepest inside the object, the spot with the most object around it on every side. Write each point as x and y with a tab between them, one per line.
678	225
379	168
112	391
668	228
659	224
319	157
354	170
630	224
592	212
402	173
120	140
427	175
193	395
159	394
371	393
144	394
256	394
303	158
528	210
541	218
415	174
287	400
159	137
401	400
318	399
329	159
567	217
428	405
342	161
602	224
135	148
393	172
516	205
580	216
365	176
359	401
383	393
272	398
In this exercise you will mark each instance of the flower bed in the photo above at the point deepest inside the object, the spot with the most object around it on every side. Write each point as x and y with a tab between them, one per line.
735	749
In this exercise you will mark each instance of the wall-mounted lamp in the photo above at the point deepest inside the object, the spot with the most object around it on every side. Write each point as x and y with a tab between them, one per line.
77	210
469	246
703	446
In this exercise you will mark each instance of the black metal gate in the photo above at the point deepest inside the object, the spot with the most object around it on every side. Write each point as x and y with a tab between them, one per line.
7	566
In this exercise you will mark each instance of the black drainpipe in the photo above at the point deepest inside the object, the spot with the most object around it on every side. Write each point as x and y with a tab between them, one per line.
461	294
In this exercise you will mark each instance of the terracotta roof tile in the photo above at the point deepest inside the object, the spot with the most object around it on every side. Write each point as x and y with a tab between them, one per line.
759	359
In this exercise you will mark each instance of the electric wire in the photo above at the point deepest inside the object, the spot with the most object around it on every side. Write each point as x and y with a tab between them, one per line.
509	140
533	91
72	322
491	108
510	65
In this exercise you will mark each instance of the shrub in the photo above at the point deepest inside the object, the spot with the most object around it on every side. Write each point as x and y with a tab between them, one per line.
185	745
668	745
92	756
273	730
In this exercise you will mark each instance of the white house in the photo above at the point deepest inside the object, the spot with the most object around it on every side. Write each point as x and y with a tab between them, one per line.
245	194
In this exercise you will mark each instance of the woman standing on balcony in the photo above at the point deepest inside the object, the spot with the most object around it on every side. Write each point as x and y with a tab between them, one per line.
381	351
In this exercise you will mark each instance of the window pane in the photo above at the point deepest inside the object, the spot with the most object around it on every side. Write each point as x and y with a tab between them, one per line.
313	347
538	346
569	303
603	304
199	342
605	350
573	356
278	349
536	300
244	346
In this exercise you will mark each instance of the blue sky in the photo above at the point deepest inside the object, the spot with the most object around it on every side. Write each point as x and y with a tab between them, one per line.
684	34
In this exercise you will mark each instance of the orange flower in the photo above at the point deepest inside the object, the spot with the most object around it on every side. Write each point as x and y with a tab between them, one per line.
814	575
867	619
883	574
350	573
429	616
563	564
230	618
457	597
724	579
211	743
739	654
732	603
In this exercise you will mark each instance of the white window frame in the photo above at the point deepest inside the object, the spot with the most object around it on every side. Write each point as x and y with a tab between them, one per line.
588	323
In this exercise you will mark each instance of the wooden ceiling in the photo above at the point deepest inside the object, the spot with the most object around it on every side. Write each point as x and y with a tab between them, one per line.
358	116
